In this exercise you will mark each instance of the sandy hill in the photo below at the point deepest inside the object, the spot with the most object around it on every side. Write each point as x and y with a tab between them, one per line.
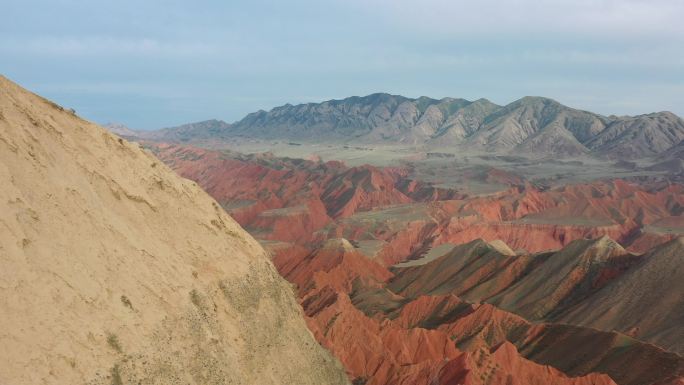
117	271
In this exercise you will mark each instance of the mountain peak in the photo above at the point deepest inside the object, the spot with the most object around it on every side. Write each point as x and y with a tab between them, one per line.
537	101
501	247
596	250
340	245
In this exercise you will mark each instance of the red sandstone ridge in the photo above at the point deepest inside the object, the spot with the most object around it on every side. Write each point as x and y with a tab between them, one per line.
503	365
544	220
290	199
566	277
544	287
300	201
525	219
407	283
264	196
404	340
336	265
397	233
646	302
383	351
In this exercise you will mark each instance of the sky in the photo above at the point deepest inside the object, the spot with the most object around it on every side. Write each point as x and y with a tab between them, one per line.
152	64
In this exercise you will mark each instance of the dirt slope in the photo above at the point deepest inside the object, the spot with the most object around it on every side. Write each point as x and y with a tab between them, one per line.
117	271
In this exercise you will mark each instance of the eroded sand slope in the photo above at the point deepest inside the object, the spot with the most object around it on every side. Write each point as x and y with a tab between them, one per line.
114	270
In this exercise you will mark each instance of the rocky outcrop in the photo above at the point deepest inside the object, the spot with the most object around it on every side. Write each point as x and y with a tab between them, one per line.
284	199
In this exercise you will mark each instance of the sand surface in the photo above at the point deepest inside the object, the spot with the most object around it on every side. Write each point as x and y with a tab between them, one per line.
117	271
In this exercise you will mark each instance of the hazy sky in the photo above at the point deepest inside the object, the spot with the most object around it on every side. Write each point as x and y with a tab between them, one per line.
151	64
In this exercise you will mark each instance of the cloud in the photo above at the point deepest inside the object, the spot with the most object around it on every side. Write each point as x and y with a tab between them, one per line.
225	59
102	45
598	18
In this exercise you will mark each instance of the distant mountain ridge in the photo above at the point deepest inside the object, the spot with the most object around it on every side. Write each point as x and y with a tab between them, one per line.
531	124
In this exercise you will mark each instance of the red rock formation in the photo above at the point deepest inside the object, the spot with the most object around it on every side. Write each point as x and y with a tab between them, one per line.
292	200
525	236
426	324
383	351
284	199
646	301
552	218
416	341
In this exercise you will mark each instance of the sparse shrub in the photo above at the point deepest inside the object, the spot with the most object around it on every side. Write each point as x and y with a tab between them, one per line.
113	342
195	298
116	375
126	302
330	323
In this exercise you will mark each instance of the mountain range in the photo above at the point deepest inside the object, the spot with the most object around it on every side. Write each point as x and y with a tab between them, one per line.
532	125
